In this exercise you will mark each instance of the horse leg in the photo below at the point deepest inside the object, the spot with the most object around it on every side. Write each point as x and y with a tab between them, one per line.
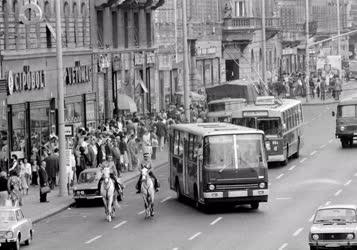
110	206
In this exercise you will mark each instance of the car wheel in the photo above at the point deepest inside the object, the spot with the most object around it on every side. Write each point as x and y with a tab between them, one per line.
297	154
17	243
344	143
254	205
313	248
178	191
286	160
28	241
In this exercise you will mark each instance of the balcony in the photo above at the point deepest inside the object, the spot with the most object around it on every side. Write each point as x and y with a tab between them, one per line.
243	28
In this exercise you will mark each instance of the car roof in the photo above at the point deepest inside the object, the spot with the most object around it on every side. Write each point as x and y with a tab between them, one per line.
346	206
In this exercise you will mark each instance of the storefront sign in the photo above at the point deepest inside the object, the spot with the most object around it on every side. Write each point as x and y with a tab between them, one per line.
68	130
139	58
78	74
117	62
103	62
25	81
150	58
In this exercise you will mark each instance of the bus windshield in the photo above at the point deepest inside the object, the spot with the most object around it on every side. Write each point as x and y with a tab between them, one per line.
233	151
347	111
270	126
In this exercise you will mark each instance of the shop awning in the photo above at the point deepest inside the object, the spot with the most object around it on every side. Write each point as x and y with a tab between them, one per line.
126	103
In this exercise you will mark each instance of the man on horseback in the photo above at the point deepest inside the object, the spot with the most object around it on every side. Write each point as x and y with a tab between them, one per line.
113	173
147	164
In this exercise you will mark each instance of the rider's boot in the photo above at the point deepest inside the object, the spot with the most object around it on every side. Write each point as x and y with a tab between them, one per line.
138	185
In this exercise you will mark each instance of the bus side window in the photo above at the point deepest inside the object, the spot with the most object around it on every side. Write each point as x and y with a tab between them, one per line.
176	143
206	156
181	144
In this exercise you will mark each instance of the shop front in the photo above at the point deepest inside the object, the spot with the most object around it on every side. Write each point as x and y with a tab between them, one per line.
32	99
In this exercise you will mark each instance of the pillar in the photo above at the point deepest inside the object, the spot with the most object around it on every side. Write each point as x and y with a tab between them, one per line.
142	28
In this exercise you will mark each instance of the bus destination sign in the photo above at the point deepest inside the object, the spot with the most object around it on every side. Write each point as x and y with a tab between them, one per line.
254	113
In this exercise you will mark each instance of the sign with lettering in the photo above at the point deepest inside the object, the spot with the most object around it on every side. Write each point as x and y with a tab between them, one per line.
150	58
68	130
117	62
139	58
35	13
77	74
254	113
25	81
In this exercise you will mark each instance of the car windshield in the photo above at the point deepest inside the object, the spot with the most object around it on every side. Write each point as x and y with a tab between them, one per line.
88	177
347	111
335	215
6	216
270	126
230	151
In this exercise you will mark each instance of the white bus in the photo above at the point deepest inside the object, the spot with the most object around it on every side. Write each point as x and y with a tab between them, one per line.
221	110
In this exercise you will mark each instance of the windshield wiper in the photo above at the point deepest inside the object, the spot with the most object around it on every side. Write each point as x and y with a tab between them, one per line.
224	167
322	221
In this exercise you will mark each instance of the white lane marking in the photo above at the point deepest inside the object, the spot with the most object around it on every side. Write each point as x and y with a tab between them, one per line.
313	152
283	198
120	224
327	203
312	218
348	183
278	177
176	248
304	159
94	239
215	221
292	167
166	199
283	246
141	212
338	192
194	236
297	232
330	141
322	146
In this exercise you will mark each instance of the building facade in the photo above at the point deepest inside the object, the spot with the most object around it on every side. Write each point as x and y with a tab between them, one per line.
124	52
29	69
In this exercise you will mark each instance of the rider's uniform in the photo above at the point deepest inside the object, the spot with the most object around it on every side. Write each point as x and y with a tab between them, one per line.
113	173
147	164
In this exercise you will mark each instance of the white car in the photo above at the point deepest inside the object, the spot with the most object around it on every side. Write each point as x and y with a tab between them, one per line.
334	227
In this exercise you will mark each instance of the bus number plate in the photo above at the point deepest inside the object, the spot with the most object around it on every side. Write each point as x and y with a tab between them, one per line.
239	193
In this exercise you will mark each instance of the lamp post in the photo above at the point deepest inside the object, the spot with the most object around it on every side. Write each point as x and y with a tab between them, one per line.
307	54
186	84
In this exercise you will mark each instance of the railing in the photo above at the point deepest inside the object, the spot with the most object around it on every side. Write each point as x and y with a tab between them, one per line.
238	23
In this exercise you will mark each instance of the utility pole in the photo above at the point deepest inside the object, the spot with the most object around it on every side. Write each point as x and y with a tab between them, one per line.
186	84
176	35
338	29
264	76
307	53
60	90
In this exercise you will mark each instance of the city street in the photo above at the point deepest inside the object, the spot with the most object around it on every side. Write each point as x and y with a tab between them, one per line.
324	174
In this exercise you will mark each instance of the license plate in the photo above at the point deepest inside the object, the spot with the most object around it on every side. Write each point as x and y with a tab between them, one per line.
332	245
90	198
239	193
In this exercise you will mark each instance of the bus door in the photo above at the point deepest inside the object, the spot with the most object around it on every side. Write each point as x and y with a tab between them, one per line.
191	166
186	177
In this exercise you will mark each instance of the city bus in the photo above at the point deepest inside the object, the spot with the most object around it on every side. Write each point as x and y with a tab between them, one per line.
221	110
281	120
218	163
346	121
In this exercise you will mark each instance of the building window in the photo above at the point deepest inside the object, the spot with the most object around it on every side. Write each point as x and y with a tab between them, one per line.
75	17
136	29
5	11
100	28
126	30
115	28
239	8
148	29
66	20
47	11
15	9
84	22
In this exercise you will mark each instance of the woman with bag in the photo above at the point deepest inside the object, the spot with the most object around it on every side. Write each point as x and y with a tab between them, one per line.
44	186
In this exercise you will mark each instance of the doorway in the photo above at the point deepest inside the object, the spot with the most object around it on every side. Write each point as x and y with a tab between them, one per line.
232	70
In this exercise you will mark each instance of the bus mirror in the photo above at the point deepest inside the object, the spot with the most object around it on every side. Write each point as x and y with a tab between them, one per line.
333	113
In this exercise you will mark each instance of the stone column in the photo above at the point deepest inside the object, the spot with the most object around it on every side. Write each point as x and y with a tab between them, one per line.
107	26
131	28
142	28
121	29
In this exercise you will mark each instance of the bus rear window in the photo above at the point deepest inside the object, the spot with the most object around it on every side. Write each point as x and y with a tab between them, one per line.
347	111
216	107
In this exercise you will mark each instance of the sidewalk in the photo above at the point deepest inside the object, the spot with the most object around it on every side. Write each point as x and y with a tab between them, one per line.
316	101
32	208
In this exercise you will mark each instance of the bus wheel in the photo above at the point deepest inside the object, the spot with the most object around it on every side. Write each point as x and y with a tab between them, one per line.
344	143
197	203
285	161
178	191
297	154
254	205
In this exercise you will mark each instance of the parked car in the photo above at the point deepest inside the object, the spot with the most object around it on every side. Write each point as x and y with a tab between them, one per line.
15	229
87	186
335	227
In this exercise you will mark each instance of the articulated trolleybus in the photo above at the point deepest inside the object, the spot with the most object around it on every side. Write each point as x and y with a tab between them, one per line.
281	120
218	163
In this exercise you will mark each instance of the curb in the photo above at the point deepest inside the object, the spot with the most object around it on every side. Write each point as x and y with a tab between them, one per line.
57	211
320	104
61	209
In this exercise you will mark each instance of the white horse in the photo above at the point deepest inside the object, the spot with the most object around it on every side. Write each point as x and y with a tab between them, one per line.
148	192
107	190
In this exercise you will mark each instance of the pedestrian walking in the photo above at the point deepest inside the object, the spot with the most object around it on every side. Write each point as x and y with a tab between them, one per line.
133	152
35	168
44	185
154	143
28	173
3	189
15	188
52	164
25	187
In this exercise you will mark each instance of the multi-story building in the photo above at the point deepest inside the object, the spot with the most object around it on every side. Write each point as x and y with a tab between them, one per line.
242	39
123	42
29	69
204	35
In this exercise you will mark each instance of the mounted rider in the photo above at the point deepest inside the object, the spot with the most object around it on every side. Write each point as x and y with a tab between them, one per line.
147	164
109	163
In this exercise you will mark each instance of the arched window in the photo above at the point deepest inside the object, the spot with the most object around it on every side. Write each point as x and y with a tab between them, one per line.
47	13
84	23
47	10
66	20
15	10
5	11
75	17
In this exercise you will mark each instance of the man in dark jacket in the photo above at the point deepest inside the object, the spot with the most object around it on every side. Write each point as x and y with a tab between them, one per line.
3	188
99	152
43	177
161	133
52	166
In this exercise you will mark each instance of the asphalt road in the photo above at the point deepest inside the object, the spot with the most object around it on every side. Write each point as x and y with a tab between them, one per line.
324	173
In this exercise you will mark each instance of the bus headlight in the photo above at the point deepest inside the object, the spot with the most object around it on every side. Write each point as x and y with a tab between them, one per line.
315	237
350	236
342	128
262	185
267	145
211	187
82	192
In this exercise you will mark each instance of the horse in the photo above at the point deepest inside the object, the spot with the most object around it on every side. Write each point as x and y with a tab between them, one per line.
15	194
148	192
107	191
